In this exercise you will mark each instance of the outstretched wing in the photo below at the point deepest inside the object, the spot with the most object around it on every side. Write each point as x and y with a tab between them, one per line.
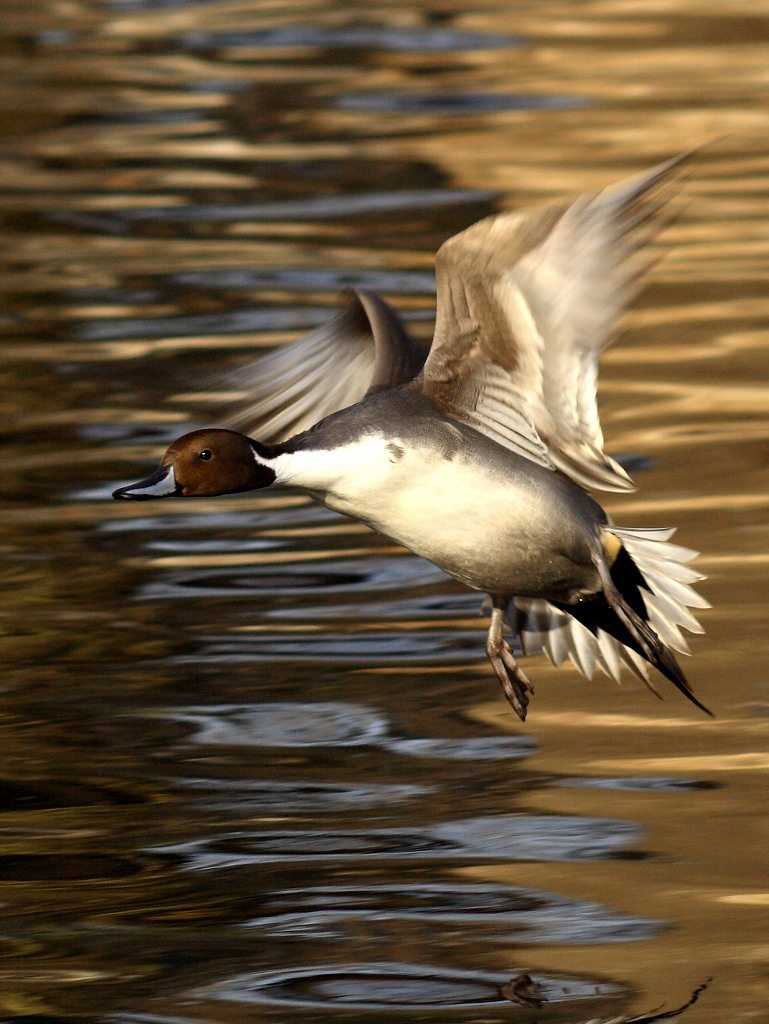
365	347
526	303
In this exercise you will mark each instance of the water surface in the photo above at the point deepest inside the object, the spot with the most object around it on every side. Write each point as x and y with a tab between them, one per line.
256	767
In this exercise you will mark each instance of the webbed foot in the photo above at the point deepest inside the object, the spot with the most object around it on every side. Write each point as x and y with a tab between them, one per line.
515	685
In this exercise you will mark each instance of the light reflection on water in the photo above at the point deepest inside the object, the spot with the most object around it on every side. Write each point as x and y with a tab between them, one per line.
395	986
256	687
484	912
523	837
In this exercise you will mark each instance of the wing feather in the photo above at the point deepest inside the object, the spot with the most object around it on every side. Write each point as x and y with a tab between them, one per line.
365	347
526	304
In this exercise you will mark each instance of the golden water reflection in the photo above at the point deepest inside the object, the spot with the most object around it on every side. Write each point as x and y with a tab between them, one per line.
183	184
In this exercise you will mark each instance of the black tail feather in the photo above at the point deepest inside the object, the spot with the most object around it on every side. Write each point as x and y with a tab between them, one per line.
621	612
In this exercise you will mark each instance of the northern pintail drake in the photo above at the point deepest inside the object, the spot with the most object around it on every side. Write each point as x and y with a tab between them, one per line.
478	454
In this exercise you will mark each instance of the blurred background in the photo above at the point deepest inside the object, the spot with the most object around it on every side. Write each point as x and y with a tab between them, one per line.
255	766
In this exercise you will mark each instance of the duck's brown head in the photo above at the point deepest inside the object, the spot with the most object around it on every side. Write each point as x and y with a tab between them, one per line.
205	463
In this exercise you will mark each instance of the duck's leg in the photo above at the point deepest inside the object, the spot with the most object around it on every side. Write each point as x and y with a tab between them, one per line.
515	684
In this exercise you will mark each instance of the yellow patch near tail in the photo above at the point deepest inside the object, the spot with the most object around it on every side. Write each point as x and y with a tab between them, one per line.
611	546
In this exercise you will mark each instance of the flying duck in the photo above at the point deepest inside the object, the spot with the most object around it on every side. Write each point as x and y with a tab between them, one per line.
479	453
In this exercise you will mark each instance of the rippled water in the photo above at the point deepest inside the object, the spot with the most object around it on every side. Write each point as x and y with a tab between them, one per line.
256	767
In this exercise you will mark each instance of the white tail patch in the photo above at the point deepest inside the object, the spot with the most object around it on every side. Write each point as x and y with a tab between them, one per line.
664	566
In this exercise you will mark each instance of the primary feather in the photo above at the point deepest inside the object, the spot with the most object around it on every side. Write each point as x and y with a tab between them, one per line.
526	303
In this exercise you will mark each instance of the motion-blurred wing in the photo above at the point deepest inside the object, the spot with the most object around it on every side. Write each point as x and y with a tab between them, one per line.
526	303
365	347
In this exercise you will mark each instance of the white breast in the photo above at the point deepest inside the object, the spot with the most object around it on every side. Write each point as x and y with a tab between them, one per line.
455	512
356	468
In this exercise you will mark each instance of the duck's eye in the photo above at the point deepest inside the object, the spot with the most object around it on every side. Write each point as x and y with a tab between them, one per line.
205	455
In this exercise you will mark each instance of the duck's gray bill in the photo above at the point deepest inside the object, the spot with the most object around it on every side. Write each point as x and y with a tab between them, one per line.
162	484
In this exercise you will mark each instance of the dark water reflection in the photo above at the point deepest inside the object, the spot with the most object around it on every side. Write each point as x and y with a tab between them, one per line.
254	767
528	837
483	912
395	986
